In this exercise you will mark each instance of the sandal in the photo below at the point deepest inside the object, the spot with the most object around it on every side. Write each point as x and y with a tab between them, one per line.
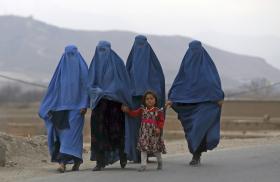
61	168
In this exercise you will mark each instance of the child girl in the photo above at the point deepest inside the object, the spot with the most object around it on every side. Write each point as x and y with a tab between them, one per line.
150	136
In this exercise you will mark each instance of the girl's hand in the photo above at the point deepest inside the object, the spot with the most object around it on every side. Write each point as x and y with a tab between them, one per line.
83	111
125	108
168	104
157	131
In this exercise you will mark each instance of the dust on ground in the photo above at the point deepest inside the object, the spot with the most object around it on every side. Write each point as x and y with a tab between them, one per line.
28	157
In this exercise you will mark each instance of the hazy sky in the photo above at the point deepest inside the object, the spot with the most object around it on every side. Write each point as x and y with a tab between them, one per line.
183	17
206	20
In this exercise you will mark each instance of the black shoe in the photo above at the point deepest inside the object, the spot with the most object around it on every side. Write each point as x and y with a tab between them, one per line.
98	168
123	161
195	160
76	166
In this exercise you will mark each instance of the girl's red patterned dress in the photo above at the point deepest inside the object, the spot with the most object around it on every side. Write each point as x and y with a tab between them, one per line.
149	141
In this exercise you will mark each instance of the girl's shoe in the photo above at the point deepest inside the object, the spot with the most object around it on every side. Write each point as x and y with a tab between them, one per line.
61	168
142	168
159	166
76	166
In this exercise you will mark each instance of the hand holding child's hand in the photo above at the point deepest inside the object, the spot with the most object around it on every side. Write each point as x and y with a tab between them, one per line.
125	108
220	103
83	111
157	131
49	114
168	104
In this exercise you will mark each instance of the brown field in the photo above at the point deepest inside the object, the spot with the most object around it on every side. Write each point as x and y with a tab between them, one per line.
244	124
238	118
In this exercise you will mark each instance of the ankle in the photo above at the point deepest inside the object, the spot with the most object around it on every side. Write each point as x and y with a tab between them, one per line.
159	167
196	155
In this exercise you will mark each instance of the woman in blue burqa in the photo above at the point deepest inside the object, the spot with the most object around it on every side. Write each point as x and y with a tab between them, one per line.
108	88
196	95
63	109
145	73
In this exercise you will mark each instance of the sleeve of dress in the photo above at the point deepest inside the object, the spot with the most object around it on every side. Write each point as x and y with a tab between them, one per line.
135	113
160	121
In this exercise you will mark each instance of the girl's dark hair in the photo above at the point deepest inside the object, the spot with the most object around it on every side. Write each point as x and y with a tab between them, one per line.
150	92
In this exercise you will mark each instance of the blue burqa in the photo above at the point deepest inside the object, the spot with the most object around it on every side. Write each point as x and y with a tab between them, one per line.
66	92
108	79
194	94
145	73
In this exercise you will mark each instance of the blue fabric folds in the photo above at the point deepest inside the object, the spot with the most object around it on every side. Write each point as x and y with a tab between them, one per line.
70	140
200	122
108	77
66	92
144	70
132	126
194	94
198	79
146	73
67	89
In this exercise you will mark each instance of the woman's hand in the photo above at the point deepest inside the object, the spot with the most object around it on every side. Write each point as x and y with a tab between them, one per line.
83	111
168	104
125	108
220	103
49	114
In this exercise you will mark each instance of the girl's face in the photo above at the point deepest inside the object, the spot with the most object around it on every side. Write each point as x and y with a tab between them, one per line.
150	100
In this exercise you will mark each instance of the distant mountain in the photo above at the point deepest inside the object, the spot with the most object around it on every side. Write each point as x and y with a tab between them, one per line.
265	46
32	48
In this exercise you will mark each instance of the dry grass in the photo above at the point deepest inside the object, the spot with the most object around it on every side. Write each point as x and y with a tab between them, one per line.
23	120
